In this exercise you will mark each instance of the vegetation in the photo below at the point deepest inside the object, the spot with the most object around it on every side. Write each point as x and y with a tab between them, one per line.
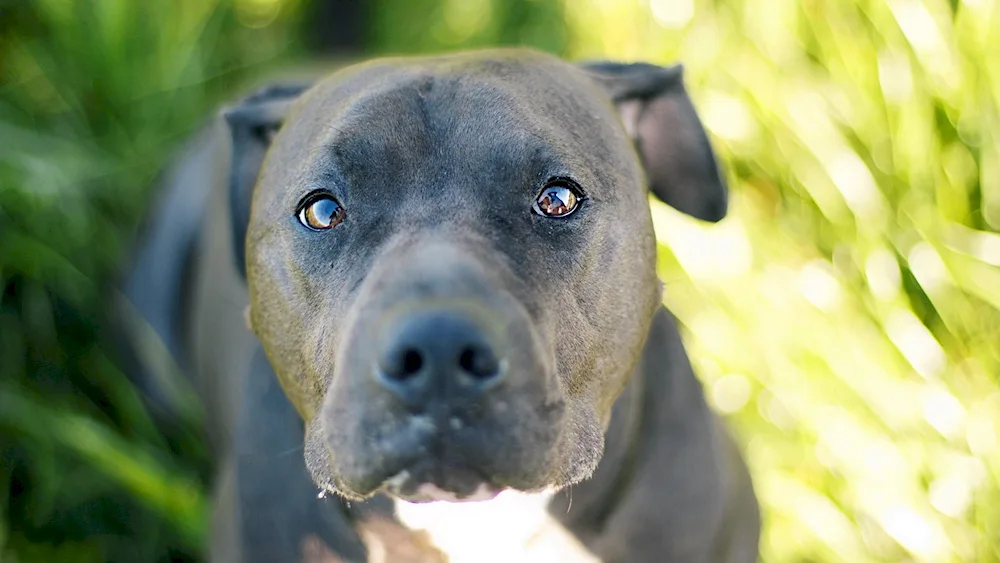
845	318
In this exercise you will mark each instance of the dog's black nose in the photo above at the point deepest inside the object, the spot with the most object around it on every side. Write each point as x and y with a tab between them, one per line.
437	355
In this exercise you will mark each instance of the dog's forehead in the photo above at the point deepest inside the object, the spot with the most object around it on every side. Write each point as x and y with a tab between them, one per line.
503	75
467	98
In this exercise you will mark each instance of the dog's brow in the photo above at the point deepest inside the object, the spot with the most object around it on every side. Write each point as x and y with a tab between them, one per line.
332	131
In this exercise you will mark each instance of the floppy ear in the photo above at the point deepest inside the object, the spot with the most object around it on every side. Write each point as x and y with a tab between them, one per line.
253	123
672	144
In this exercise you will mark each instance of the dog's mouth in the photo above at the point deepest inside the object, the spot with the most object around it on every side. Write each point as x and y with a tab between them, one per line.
431	482
421	459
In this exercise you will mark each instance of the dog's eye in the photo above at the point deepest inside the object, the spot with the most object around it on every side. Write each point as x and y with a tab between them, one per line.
320	212
558	198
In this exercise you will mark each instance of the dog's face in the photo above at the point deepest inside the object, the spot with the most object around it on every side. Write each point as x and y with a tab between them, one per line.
451	260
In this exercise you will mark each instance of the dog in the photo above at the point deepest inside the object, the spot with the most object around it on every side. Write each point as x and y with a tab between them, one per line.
424	285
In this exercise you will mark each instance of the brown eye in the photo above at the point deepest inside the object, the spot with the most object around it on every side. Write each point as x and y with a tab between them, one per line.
557	199
320	212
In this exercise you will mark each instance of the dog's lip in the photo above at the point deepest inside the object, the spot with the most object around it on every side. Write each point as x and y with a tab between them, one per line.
419	487
429	492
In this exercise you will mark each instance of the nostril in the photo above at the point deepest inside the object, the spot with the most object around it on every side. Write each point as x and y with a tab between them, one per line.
479	362
412	362
402	364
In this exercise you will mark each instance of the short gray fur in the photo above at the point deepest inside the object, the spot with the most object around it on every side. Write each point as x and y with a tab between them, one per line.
437	161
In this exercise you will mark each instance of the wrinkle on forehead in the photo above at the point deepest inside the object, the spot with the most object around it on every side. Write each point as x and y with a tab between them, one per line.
404	115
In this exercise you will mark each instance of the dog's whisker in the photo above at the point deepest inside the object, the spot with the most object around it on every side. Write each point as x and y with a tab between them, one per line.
288	452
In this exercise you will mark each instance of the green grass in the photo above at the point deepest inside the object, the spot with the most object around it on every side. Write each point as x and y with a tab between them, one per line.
845	318
96	95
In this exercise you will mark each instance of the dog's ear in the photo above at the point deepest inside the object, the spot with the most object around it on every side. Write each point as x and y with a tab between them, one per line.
253	123
657	113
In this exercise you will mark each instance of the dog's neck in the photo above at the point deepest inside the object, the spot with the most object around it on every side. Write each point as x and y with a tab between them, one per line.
514	526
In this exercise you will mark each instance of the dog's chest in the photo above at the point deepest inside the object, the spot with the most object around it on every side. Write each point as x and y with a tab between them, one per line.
512	527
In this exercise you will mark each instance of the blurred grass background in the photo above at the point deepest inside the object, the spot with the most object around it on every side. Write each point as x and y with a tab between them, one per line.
845	318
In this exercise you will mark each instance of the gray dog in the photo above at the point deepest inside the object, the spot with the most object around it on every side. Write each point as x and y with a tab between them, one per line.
449	268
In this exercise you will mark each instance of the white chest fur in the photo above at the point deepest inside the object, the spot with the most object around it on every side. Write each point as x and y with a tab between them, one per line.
513	527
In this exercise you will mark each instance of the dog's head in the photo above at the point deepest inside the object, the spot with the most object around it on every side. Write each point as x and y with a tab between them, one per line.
451	260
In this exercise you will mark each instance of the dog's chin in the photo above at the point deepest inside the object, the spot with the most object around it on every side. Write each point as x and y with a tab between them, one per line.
429	492
433	480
